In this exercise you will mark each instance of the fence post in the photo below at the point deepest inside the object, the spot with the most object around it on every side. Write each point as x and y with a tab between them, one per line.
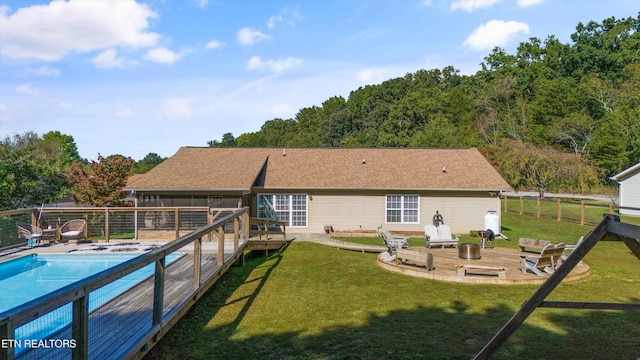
610	208
177	220
506	207
7	331
80	328
197	256
537	207
221	245
236	233
106	225
559	210
158	292
246	226
581	212
521	206
209	221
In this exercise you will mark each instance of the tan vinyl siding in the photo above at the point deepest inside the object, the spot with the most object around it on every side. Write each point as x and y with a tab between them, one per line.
345	212
462	214
366	211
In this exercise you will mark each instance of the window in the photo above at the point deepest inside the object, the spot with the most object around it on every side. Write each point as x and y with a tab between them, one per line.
290	208
402	209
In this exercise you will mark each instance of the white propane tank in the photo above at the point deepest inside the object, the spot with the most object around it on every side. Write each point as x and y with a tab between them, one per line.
492	222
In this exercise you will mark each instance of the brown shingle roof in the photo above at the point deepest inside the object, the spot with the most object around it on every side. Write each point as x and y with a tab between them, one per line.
306	168
194	168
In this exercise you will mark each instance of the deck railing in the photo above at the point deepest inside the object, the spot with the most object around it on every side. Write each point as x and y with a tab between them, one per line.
171	291
110	223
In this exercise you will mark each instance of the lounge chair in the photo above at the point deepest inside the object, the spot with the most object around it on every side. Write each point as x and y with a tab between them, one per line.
73	229
29	232
546	262
440	236
393	243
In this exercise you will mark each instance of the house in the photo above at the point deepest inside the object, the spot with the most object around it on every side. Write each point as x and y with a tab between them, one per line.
629	193
347	189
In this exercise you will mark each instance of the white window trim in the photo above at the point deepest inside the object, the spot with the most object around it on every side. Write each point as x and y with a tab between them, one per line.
291	210
402	209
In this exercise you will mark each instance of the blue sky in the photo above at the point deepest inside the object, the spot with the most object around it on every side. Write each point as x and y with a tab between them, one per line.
138	77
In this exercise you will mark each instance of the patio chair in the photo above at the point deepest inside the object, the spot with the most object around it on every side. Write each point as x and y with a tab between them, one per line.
393	243
547	261
440	236
29	232
73	229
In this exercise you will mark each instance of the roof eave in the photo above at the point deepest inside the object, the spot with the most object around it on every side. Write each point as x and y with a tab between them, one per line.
387	189
187	189
626	173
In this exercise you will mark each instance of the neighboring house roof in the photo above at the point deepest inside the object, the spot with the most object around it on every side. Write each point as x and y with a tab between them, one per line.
627	173
193	168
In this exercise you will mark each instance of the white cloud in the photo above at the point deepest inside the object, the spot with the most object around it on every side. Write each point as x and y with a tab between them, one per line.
376	75
27	89
495	33
213	44
124	113
256	63
162	55
273	21
248	36
287	16
44	71
202	3
470	5
177	108
49	32
426	3
108	59
527	3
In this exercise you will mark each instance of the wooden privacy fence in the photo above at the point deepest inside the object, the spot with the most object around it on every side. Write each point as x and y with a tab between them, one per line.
577	211
127	326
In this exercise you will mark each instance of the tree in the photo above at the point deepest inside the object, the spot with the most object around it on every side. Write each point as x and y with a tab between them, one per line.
33	170
101	183
527	167
228	140
150	161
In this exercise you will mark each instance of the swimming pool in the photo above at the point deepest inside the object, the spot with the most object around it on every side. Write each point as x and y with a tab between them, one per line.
29	277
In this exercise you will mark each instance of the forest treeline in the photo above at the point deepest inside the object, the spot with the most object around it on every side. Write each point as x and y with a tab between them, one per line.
552	116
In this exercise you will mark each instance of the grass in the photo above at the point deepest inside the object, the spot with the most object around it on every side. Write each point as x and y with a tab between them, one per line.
316	302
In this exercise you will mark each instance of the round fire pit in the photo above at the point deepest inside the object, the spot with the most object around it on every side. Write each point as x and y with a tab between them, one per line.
469	251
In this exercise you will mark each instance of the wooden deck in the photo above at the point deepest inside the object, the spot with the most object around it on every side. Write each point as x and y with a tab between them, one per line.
445	262
131	312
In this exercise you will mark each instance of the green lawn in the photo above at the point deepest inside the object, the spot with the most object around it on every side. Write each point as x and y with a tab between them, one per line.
316	302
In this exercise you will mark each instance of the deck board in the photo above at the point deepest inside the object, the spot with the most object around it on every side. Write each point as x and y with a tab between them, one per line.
130	314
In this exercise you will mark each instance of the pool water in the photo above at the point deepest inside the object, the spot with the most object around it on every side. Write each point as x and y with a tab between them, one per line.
32	276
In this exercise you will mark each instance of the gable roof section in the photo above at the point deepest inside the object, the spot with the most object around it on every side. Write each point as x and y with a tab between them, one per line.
193	168
204	169
627	173
408	169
